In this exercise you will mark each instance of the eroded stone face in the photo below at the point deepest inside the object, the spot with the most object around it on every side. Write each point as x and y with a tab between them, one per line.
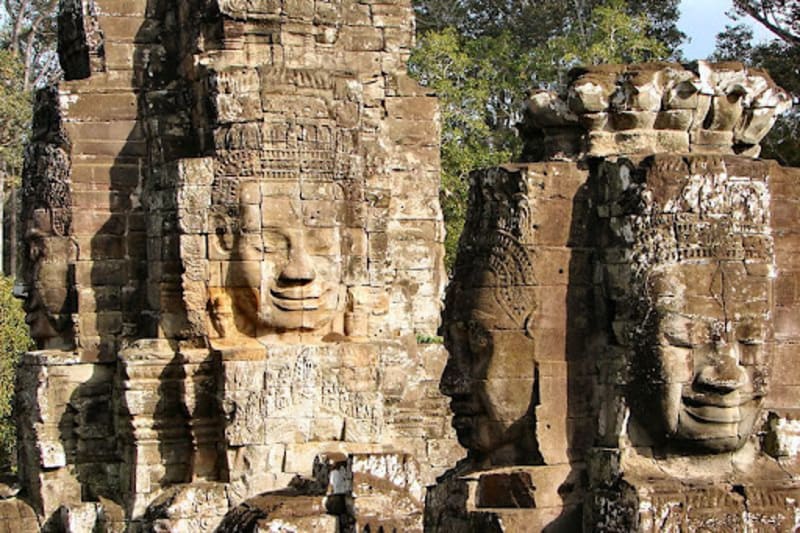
697	318
48	305
701	376
46	285
490	371
282	211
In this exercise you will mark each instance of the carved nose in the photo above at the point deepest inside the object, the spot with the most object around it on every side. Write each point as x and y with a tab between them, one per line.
454	379
724	374
300	266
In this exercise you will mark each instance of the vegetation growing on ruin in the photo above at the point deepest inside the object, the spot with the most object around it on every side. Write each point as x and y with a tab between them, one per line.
13	341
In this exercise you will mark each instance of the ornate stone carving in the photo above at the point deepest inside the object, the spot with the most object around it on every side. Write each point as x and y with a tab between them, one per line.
47	271
685	320
490	373
280	206
700	299
515	354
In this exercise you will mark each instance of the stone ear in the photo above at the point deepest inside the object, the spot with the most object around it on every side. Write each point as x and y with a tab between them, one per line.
222	239
529	325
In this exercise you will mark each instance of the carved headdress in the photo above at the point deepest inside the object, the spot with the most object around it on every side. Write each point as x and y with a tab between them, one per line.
697	210
497	239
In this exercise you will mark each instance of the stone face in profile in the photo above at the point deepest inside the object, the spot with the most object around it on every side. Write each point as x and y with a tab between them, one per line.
490	373
48	250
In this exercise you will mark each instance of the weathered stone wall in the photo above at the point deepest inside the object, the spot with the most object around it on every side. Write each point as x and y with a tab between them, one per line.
656	348
784	380
253	244
612	110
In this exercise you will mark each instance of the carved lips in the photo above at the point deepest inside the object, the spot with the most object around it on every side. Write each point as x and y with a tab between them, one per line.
300	306
301	298
721	410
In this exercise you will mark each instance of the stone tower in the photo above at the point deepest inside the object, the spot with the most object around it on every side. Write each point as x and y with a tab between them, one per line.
233	242
622	317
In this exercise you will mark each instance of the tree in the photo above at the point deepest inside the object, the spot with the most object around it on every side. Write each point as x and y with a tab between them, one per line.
15	116
466	86
483	66
612	35
535	23
29	32
781	17
14	340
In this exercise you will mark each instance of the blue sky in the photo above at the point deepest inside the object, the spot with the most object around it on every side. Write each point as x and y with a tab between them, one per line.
702	20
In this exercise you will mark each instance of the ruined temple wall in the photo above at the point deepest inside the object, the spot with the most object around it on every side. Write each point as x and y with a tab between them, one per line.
782	400
65	421
156	98
109	157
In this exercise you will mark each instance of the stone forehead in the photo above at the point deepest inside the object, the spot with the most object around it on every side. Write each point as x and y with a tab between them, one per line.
698	209
484	304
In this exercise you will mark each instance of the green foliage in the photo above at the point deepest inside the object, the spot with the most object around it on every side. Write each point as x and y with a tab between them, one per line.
14	340
467	83
483	70
15	114
28	30
429	339
612	36
533	24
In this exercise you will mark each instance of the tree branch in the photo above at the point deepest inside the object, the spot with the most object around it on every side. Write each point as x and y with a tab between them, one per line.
762	16
15	34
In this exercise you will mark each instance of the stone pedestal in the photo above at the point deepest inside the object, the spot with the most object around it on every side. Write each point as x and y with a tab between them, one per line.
707	493
534	498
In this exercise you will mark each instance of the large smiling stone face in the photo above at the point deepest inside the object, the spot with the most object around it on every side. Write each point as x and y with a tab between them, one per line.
700	372
288	210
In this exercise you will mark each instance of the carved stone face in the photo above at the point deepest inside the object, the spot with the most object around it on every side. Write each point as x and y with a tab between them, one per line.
287	277
489	374
283	248
700	376
46	280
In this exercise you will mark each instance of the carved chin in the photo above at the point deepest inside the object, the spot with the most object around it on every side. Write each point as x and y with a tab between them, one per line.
716	430
474	435
45	329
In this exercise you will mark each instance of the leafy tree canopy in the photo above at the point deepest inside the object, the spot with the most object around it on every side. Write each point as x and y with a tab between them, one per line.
482	57
15	114
14	340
